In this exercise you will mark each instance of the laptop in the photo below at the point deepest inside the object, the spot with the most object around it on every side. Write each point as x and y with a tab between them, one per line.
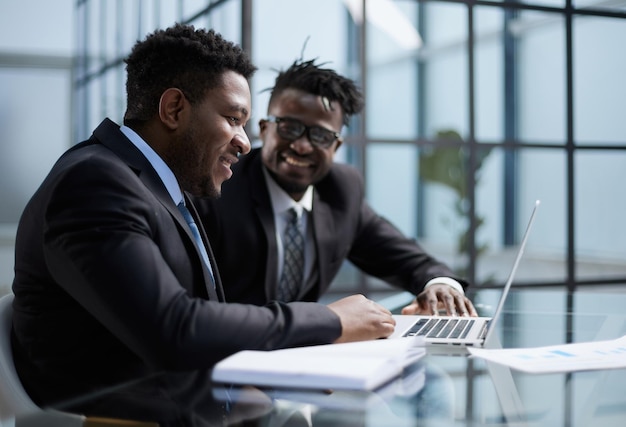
460	331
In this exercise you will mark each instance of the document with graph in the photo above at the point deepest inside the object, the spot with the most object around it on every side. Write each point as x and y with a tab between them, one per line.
586	356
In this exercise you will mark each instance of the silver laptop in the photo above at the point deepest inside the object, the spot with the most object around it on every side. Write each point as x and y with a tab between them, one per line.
460	331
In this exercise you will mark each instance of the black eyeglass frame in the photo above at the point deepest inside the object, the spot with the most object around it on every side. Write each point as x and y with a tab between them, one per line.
305	130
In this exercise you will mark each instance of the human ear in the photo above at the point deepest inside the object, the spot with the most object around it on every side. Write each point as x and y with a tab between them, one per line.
171	105
262	126
339	142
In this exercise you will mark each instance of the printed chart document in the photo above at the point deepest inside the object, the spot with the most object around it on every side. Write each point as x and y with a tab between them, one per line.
586	356
362	365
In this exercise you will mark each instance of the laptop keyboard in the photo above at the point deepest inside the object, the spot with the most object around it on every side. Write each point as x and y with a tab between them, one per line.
441	328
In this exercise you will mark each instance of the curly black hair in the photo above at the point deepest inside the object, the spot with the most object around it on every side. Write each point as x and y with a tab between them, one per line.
312	78
182	57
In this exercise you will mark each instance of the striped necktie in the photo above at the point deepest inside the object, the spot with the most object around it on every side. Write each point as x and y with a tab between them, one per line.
293	266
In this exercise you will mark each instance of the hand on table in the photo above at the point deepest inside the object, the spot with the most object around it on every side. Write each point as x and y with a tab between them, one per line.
362	319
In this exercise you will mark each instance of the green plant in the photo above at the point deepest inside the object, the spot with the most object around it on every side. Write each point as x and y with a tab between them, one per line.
448	165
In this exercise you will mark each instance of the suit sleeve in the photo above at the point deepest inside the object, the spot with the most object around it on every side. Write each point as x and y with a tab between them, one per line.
380	249
116	250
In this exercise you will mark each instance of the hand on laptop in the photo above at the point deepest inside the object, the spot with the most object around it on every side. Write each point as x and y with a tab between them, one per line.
362	319
441	297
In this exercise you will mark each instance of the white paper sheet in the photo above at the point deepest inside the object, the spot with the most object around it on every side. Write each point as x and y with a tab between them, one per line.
560	358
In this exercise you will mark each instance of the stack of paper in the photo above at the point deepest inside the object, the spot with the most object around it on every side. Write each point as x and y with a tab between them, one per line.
352	366
411	381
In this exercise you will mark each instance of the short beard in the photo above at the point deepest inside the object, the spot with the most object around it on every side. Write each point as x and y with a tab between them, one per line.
205	188
183	162
289	187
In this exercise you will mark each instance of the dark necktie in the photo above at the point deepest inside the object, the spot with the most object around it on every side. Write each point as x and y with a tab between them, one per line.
196	235
293	266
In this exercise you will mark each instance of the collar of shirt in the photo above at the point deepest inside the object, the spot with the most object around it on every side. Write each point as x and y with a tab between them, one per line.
161	168
282	202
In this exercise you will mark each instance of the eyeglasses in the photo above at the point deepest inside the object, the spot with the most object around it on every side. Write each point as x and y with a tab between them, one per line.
292	129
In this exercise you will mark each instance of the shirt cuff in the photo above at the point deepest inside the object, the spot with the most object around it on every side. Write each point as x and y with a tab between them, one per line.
445	281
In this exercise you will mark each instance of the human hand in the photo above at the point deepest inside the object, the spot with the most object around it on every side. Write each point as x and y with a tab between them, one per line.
362	319
441	297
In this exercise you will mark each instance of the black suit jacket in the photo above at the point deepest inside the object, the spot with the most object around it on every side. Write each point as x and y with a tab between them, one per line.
110	287
241	229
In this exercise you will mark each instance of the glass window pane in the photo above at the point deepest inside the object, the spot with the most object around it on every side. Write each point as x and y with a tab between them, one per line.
392	108
600	207
391	183
599	83
128	18
35	110
192	7
392	70
489	219
489	74
92	109
443	221
113	99
538	174
166	13
444	25
225	19
37	26
542	176
610	5
445	66
541	86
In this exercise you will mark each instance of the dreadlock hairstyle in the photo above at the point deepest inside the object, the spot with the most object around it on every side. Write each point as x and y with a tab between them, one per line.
181	57
312	78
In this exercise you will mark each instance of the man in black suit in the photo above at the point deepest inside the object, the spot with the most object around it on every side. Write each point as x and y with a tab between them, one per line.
308	107
110	284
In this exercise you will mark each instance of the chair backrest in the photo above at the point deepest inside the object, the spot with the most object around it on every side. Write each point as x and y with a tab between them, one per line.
16	407
13	398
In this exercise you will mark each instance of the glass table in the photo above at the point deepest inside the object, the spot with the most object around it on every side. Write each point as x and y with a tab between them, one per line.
452	389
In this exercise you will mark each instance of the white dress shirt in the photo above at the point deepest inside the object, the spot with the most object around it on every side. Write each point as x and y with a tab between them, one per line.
161	168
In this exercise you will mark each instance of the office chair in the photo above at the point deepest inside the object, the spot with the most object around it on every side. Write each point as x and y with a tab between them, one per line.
13	398
16	407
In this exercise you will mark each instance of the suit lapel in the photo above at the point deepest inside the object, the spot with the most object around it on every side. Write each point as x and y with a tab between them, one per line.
109	134
324	236
263	209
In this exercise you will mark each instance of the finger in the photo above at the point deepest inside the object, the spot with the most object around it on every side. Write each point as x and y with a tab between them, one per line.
410	309
465	307
386	330
470	307
389	320
424	305
461	305
432	306
389	323
448	302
